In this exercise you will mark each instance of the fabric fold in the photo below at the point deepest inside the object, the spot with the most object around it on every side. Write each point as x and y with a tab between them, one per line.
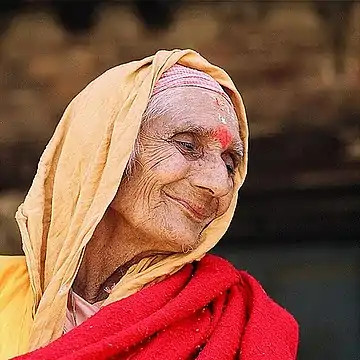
72	190
207	310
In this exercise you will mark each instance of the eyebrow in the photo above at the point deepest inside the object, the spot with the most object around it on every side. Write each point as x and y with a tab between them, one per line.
237	146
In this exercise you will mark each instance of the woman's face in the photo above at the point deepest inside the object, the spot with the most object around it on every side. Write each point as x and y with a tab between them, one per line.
183	176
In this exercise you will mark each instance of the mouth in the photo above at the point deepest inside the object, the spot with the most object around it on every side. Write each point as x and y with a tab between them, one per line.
198	213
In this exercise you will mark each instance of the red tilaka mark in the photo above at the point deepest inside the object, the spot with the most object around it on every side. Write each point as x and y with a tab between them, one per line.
222	134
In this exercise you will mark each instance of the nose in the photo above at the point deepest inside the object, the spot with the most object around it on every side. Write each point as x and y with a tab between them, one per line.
211	175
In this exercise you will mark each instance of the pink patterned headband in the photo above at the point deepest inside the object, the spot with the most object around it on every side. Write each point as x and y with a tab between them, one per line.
182	76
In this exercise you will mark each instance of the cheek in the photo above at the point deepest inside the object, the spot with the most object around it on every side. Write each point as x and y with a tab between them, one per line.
224	203
152	171
170	168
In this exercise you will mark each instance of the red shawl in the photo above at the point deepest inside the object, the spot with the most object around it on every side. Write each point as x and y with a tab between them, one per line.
207	310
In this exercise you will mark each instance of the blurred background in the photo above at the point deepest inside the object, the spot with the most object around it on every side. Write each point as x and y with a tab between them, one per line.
297	65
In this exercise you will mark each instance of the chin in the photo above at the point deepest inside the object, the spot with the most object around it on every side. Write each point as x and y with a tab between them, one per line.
184	243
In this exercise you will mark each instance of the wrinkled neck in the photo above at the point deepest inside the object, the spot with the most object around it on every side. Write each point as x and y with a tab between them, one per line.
113	248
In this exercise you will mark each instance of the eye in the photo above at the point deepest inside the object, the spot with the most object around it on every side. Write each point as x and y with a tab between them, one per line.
230	169
189	149
186	145
229	163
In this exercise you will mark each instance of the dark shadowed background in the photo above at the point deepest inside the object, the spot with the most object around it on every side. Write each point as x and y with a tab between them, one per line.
297	65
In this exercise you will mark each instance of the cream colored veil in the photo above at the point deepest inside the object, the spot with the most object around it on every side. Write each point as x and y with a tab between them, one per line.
78	176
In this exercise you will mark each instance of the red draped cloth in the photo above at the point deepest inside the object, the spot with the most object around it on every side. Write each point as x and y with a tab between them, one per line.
208	310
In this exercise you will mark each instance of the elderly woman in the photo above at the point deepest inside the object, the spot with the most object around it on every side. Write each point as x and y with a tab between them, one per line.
137	184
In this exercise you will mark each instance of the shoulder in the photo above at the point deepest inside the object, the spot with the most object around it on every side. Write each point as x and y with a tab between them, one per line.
219	266
267	322
11	263
16	302
13	271
14	280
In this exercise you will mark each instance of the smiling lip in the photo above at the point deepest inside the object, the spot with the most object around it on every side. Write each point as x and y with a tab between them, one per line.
198	213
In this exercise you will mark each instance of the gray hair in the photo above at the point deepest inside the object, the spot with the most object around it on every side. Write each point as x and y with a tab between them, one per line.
156	107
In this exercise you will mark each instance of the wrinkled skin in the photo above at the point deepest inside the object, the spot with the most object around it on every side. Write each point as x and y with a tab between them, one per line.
183	178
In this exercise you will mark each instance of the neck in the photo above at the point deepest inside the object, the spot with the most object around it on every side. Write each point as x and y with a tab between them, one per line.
113	248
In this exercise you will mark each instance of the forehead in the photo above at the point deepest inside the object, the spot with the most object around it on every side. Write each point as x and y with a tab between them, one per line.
193	107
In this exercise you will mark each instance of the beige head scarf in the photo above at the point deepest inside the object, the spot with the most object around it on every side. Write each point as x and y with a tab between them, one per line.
79	174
